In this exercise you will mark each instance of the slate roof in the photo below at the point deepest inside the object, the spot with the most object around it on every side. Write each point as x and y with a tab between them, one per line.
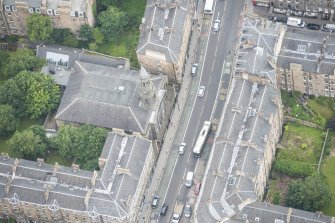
155	35
305	47
69	188
93	96
235	163
228	191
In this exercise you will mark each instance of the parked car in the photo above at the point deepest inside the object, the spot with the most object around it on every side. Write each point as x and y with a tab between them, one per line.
188	211
313	26
311	14
164	209
297	13
154	202
201	91
194	69
182	148
197	188
216	26
280	11
280	19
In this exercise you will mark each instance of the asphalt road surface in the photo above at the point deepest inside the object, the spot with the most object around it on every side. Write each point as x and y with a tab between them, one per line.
220	45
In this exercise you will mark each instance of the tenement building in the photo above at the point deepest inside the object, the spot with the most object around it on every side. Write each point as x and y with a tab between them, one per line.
306	63
70	14
313	8
35	191
244	147
164	37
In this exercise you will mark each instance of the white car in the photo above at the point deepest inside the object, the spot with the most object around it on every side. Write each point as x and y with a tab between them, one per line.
182	148
194	69
216	26
201	91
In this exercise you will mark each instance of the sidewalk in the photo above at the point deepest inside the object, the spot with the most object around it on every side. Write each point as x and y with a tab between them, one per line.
145	216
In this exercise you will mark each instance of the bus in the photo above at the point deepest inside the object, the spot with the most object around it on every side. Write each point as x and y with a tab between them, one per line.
199	144
208	7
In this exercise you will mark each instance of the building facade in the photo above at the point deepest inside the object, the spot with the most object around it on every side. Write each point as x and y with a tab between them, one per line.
164	38
63	14
306	63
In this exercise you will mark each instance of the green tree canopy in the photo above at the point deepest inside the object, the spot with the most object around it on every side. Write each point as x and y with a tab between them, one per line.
65	37
311	194
8	121
22	59
86	32
27	145
112	23
30	93
39	27
83	143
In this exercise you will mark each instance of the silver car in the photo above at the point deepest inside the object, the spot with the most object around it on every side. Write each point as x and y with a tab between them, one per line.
182	148
216	26
201	91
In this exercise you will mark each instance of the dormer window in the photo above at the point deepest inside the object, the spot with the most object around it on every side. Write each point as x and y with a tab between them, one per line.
7	8
49	12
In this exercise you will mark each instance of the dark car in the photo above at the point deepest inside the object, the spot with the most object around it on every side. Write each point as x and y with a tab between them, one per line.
280	19
313	26
155	200
164	209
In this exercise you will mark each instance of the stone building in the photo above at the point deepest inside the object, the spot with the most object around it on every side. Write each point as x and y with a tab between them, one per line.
313	8
306	63
35	191
164	37
63	14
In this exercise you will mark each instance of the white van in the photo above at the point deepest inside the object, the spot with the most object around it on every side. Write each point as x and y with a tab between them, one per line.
295	22
189	179
328	27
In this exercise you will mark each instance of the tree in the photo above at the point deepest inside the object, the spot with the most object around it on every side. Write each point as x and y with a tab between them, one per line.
98	36
112	23
84	143
40	131
311	194
103	4
30	93
22	59
86	32
65	37
39	27
8	121
43	94
27	145
11	94
71	41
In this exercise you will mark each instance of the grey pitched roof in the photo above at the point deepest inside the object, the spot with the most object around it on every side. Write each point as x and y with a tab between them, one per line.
69	188
305	47
93	96
270	213
156	34
75	54
235	163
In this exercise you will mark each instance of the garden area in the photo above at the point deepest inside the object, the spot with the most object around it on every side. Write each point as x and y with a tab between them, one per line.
295	169
318	110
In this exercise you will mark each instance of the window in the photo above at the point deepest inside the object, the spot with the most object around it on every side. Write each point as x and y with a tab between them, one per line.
257	218
38	10
31	10
7	8
49	12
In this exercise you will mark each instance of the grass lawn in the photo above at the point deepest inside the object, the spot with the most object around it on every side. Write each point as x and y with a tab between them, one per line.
328	170
134	7
296	135
322	107
128	43
54	157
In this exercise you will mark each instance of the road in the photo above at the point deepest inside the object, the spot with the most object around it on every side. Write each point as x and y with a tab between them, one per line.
219	47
